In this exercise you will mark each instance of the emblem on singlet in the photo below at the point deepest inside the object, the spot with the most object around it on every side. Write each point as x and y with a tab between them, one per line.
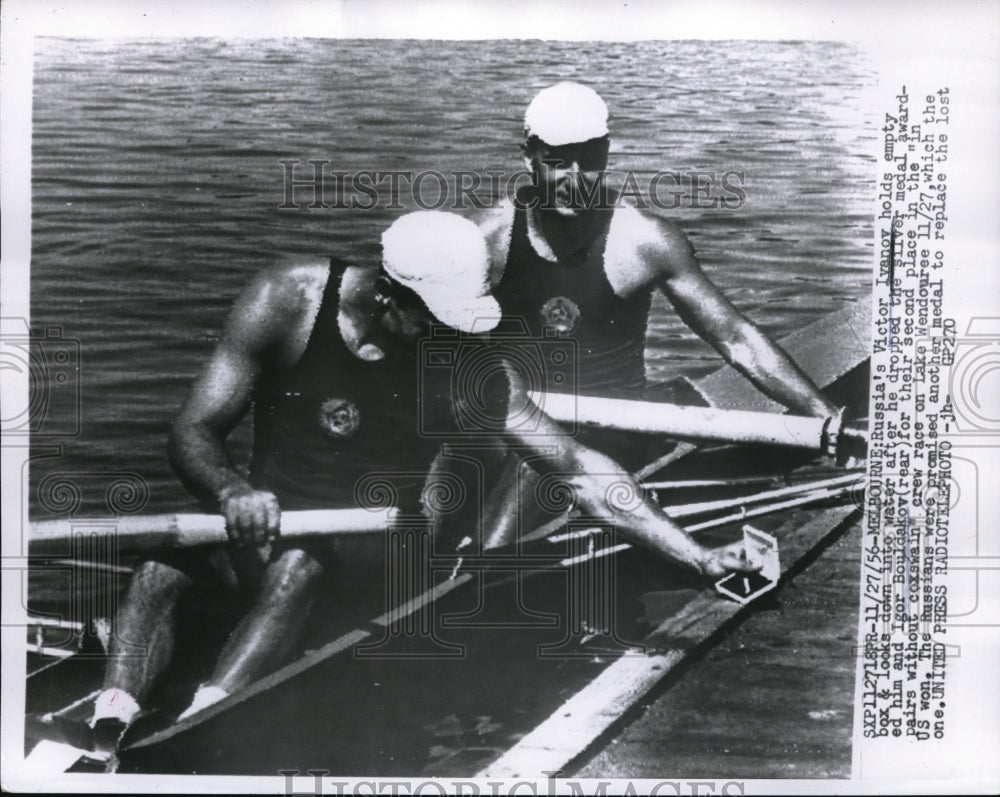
339	418
560	314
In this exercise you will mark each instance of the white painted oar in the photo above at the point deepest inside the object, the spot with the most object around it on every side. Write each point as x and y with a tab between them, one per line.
52	622
693	423
183	530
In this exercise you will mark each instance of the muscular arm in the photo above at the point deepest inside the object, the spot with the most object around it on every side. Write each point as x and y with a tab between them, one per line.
263	328
604	490
703	307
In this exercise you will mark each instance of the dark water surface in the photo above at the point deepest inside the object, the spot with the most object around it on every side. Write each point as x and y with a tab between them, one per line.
156	186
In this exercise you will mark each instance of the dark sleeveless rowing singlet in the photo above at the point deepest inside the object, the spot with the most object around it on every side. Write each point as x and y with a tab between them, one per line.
339	431
573	300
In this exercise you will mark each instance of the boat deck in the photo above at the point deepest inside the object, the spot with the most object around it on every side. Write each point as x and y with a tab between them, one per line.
773	699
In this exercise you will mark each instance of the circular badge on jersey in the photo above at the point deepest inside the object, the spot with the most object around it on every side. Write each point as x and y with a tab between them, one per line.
339	418
560	314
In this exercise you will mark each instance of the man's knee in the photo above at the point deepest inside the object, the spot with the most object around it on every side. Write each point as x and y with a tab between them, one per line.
154	576
292	571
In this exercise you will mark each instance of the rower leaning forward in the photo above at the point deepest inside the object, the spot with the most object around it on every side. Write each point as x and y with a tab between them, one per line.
329	359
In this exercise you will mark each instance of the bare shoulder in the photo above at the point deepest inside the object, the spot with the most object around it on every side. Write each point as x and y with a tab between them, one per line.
288	287
277	308
494	219
496	224
642	249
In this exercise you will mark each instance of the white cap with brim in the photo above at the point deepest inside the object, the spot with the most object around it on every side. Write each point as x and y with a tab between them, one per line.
566	113
443	259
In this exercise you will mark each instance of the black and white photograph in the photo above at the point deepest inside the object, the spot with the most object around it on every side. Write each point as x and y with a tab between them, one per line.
550	406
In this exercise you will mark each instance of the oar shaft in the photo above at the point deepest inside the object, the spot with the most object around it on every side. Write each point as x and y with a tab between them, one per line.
691	423
689	483
686	510
182	530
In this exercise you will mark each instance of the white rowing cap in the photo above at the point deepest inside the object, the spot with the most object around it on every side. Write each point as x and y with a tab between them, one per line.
443	259
566	113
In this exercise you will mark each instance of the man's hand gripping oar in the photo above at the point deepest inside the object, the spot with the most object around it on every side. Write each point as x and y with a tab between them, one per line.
253	517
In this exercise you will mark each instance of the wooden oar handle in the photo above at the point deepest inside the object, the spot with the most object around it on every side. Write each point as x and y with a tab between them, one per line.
830	436
183	530
686	422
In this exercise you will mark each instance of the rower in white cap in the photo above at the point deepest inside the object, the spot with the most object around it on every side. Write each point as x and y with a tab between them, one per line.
569	259
328	356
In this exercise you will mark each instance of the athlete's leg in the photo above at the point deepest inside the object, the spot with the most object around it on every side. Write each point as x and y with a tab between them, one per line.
266	634
512	507
140	647
143	639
